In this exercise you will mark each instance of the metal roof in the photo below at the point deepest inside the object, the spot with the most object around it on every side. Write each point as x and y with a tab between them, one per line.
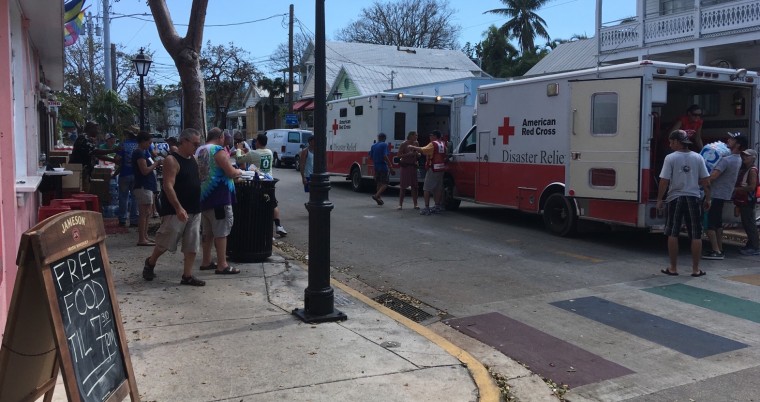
569	56
369	64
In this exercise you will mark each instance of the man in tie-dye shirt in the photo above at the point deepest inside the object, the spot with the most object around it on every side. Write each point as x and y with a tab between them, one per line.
217	196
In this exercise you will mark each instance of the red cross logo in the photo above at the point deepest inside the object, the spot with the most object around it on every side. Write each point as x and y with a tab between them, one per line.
506	131
335	127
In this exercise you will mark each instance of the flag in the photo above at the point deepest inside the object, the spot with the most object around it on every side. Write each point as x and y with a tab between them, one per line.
72	8
72	29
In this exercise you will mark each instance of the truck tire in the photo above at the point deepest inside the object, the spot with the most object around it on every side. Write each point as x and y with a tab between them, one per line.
297	164
277	161
357	183
560	217
449	202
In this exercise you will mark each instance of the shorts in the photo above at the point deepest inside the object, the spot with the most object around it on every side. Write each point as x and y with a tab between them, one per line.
686	210
715	214
381	177
433	181
143	196
216	222
408	177
172	230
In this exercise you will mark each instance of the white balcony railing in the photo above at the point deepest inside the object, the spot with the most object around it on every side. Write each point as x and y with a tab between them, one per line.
705	21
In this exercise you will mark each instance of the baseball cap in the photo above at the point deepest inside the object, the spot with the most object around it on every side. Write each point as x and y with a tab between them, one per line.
750	152
110	135
681	136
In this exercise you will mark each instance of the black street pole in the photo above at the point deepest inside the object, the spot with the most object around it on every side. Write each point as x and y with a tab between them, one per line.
142	104
319	297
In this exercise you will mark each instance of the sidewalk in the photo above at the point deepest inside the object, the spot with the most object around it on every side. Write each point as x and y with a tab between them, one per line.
236	339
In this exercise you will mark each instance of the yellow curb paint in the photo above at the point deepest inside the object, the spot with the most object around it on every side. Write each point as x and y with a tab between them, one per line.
488	391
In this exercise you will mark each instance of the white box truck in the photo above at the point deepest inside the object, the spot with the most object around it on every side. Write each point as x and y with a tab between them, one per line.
354	123
590	144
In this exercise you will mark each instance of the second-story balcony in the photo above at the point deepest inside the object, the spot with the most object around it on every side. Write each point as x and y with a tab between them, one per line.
703	21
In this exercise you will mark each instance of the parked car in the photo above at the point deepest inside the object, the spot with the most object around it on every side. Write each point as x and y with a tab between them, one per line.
286	144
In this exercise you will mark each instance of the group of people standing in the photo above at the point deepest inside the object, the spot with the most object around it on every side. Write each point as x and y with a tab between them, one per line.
732	179
409	152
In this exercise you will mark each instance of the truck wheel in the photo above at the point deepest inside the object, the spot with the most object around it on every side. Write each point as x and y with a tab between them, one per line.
449	202
297	164
357	183
277	161
560	217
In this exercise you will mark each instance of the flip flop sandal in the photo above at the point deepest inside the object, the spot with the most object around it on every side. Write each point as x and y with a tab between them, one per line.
149	244
667	272
208	267
191	281
227	271
700	273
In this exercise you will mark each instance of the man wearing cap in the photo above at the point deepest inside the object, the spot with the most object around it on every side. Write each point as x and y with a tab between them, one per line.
722	182
746	188
683	171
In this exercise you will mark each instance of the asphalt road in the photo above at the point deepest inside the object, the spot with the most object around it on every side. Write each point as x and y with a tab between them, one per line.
480	260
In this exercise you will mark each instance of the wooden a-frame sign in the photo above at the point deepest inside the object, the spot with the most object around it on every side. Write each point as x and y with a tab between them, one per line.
64	315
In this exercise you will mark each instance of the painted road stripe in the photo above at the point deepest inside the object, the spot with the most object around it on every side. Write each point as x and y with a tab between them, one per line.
710	300
550	357
679	337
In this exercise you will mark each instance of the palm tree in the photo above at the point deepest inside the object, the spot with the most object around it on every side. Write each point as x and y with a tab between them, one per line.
276	88
523	24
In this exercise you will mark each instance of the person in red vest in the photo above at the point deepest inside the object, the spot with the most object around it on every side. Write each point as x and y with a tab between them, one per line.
435	164
691	122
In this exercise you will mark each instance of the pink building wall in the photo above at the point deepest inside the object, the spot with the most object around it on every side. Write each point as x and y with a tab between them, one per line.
18	211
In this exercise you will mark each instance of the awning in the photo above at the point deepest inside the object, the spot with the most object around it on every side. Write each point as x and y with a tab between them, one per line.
304	104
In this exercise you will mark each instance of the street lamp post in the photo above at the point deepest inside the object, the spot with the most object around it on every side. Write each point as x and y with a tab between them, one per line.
142	66
223	112
319	299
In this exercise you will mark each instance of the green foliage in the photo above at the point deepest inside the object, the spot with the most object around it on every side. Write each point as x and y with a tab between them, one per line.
227	72
524	24
276	88
112	113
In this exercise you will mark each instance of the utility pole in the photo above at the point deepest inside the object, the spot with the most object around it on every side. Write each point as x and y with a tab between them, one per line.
107	47
91	58
113	67
290	61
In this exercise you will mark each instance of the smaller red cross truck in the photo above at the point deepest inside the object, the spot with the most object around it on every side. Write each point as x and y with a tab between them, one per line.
354	123
589	144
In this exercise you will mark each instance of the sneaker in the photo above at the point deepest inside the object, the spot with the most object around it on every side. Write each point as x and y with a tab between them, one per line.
281	231
749	251
436	210
713	255
148	273
425	211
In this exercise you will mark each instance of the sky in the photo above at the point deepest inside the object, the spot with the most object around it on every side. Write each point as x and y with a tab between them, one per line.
259	26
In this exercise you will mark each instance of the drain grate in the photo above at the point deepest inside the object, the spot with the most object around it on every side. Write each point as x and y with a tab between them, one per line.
402	307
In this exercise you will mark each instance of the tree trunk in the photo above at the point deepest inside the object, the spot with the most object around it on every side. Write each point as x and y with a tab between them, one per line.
186	55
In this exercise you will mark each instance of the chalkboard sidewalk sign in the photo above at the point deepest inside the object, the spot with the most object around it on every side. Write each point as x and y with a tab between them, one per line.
64	315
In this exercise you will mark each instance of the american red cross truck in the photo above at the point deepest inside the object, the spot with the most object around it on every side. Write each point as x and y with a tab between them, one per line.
589	144
354	123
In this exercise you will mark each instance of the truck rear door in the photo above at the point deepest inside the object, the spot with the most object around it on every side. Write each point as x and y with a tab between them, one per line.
604	142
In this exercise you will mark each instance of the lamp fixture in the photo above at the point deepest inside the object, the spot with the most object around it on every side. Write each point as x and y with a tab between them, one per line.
438	98
740	73
400	95
690	68
142	63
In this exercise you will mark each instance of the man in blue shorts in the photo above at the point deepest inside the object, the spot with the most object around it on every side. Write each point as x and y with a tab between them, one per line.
379	154
683	171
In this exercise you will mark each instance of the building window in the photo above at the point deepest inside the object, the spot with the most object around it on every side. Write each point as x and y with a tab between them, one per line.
359	110
343	112
604	114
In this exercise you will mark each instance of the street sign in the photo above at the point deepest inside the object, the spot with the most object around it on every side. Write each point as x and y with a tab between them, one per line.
291	119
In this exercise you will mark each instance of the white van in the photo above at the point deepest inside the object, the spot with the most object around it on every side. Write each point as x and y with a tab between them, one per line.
286	144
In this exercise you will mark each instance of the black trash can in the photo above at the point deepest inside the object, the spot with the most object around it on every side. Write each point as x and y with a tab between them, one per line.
251	237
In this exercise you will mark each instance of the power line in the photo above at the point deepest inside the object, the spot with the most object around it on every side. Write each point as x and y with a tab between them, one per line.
137	17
